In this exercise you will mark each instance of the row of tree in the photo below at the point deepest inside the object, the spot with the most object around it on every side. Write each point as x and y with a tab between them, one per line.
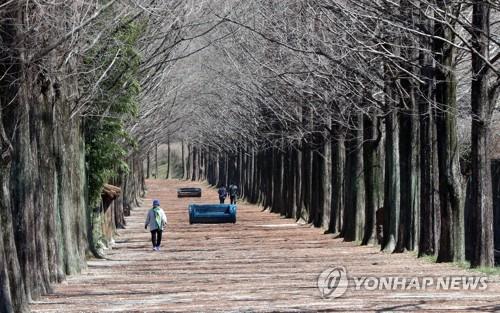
342	112
322	110
73	78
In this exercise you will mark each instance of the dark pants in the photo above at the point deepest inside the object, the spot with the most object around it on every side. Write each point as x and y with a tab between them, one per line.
233	199
156	237
222	200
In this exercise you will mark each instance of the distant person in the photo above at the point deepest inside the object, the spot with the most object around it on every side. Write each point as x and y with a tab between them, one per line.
222	194
156	220
233	193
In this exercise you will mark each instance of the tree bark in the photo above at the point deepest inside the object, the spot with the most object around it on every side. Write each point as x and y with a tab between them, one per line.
354	215
156	161
391	184
481	188
451	242
409	170
318	188
148	165
183	160
337	180
371	141
326	179
297	202
12	287
168	158
495	173
306	165
427	219
425	98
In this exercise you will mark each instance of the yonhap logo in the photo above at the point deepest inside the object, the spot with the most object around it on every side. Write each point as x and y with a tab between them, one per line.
333	282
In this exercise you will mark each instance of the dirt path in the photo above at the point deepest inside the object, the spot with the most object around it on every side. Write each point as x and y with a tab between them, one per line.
262	263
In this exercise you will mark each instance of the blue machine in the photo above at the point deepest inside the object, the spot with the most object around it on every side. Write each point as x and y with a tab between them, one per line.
212	213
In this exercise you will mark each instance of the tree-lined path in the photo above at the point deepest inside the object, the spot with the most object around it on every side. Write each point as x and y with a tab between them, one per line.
262	263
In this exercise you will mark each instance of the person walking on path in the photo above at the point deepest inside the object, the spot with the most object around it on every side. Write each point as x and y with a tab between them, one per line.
222	194
156	220
233	193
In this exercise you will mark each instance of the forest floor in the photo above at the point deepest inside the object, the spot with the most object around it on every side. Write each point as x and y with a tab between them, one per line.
263	263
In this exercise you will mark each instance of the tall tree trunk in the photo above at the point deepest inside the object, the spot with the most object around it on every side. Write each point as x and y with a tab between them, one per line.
156	161
48	239
436	200
318	188
297	202
409	171
354	182
12	287
168	158
289	181
267	176
451	242
427	218
306	165
253	176
495	173
188	162
277	180
371	140
183	160
201	163
148	165
326	179
408	141
337	180
118	203
425	97
22	196
194	163
481	193
391	183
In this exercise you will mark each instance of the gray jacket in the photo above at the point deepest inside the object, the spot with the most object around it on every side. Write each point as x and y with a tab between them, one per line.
151	220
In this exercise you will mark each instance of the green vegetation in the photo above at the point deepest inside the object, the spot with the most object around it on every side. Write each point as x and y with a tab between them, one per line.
429	258
107	141
113	105
464	265
488	270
